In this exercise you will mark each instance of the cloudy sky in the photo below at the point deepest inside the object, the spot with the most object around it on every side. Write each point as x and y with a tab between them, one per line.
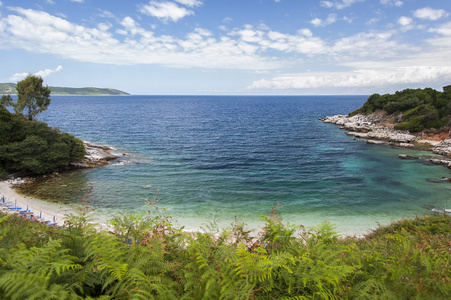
261	47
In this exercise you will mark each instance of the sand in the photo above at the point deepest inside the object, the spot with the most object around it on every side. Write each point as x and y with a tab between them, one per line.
49	210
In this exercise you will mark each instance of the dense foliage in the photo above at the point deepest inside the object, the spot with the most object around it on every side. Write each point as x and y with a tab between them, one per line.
32	97
420	108
147	257
34	147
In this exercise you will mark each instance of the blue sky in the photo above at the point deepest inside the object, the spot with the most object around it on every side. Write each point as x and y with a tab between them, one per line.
229	47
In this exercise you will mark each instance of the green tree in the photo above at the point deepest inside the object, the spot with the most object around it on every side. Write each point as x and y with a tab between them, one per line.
34	147
31	97
6	100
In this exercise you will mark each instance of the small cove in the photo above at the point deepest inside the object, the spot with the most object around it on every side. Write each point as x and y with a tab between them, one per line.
217	158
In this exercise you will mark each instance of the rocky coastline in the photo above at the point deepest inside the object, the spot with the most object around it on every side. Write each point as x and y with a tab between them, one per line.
374	130
96	156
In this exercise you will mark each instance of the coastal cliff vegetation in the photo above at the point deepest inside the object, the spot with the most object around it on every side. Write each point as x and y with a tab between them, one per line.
414	109
29	146
9	88
148	257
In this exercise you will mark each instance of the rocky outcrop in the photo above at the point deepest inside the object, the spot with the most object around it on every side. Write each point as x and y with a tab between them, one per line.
96	155
370	129
443	148
367	127
429	159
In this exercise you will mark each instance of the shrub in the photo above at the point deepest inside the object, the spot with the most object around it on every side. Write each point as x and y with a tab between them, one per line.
414	125
408	259
33	146
421	108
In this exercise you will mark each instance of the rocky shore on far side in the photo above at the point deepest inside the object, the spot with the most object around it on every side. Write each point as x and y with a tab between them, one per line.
375	130
96	156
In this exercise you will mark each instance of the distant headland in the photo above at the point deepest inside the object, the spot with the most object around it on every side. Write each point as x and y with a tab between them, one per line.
10	88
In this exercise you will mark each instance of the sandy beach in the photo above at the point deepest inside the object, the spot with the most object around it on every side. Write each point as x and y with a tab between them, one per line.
48	210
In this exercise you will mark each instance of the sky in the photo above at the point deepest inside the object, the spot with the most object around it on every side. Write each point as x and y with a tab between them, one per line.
229	47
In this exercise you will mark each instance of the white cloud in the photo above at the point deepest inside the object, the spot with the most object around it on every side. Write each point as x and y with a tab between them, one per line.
189	3
339	4
422	65
243	48
50	2
316	22
165	10
445	29
356	78
346	19
203	32
332	18
44	73
104	26
78	1
18	76
47	72
305	32
227	20
397	3
404	21
106	14
24	30
327	4
247	48
430	13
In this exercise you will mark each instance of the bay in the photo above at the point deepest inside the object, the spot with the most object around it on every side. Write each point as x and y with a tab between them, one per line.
220	157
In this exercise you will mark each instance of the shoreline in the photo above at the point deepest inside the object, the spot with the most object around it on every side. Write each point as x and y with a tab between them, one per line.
48	209
96	156
60	211
375	130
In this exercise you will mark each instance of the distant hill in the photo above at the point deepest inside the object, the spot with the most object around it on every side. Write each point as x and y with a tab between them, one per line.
10	88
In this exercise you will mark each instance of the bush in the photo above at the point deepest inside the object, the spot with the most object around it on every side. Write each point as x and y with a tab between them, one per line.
405	260
421	108
32	146
3	173
414	125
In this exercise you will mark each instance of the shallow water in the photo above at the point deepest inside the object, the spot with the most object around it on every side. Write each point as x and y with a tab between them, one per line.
220	157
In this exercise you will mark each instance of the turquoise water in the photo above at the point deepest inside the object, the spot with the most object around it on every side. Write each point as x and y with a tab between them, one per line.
218	157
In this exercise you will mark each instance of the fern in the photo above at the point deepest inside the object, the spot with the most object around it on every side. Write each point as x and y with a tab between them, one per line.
33	286
33	273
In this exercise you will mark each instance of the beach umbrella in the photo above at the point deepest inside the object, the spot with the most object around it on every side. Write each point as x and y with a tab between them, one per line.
40	215
15	203
53	219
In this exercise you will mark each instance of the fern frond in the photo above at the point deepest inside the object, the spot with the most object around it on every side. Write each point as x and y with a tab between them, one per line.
33	286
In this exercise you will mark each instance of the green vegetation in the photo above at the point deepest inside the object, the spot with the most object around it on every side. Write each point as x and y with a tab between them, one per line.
10	88
87	91
34	147
147	257
31	97
420	108
30	146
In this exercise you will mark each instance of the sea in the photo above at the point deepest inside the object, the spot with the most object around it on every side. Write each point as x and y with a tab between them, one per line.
211	161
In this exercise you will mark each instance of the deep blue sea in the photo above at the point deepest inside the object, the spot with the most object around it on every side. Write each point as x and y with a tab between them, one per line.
220	157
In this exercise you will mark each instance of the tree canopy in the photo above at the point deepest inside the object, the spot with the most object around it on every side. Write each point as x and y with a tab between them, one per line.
32	97
418	108
34	147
